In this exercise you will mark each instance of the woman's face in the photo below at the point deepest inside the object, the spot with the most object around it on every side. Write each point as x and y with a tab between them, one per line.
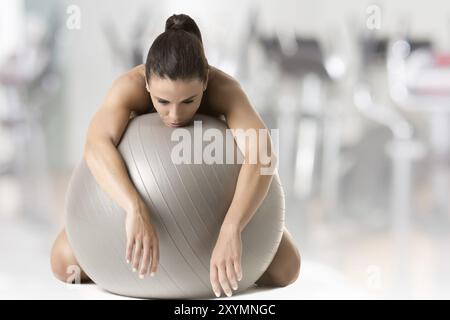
176	101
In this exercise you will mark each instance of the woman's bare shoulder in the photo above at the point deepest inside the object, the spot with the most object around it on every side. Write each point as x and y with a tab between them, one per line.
220	86
219	77
131	87
134	77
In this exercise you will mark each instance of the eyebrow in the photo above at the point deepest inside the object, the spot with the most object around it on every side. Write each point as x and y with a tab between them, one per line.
183	100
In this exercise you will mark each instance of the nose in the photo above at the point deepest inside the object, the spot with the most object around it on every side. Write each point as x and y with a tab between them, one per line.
175	114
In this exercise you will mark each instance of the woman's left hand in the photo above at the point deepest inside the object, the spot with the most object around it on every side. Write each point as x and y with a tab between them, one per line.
225	264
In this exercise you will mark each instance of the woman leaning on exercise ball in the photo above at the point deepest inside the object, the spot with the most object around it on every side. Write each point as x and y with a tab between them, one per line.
177	82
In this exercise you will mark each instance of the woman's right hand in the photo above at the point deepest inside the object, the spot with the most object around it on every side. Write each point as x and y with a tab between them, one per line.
142	241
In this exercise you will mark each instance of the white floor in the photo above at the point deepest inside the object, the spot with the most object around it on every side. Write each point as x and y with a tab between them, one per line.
25	273
341	260
317	282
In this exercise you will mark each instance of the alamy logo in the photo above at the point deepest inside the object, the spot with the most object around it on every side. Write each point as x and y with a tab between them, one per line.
73	21
253	147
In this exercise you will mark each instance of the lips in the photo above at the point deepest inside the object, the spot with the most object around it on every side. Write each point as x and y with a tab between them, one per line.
175	124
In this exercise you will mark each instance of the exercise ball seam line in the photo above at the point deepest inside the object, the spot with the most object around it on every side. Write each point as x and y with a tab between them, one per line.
203	197
101	203
220	182
89	196
149	198
205	177
267	262
176	223
108	210
207	180
226	176
159	217
115	247
249	254
181	207
211	218
190	198
180	230
162	221
222	187
201	194
208	183
193	204
156	215
221	168
174	243
77	226
67	202
236	149
130	152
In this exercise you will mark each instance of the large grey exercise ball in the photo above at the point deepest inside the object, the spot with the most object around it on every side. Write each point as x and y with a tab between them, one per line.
187	204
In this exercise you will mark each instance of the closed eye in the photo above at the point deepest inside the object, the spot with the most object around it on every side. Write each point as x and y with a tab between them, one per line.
186	101
166	102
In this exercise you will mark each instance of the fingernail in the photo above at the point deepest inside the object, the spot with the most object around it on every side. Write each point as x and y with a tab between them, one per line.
128	261
134	269
228	293
152	274
235	287
217	294
141	276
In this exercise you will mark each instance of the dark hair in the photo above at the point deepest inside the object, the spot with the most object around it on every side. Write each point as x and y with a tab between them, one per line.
178	52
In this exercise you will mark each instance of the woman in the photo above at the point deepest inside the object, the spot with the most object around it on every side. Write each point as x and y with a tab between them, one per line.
176	81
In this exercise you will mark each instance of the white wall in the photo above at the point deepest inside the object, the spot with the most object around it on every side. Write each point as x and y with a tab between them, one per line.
90	68
11	26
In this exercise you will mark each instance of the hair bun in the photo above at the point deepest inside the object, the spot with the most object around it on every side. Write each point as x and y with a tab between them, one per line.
175	26
176	22
183	22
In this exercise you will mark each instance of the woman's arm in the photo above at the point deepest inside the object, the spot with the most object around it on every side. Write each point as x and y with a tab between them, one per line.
100	151
259	162
252	185
108	168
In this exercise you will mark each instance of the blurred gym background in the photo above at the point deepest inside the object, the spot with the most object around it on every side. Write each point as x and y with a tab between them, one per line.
360	93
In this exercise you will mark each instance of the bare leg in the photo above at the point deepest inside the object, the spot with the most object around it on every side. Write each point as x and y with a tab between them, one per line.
285	266
63	261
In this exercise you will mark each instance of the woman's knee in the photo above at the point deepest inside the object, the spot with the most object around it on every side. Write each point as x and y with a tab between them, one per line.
290	272
296	266
62	261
